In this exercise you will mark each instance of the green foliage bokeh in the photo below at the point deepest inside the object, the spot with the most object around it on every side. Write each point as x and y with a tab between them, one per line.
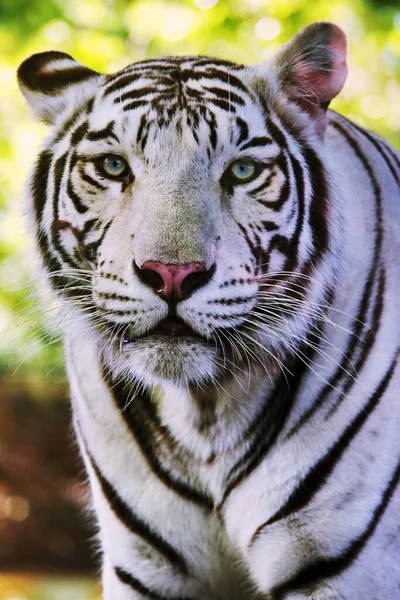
108	34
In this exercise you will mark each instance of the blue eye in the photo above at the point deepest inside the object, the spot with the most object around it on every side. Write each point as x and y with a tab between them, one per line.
243	170
113	165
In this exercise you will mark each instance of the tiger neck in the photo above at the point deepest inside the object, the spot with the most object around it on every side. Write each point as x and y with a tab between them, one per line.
211	420
214	419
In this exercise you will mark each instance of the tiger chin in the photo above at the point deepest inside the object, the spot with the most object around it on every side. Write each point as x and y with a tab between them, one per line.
159	360
224	248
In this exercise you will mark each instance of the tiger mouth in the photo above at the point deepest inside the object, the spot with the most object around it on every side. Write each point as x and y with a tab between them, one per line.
172	327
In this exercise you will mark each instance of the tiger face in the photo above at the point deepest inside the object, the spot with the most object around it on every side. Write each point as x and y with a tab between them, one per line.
181	205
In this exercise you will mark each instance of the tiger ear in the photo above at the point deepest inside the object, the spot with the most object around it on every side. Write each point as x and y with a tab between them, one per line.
311	69
53	82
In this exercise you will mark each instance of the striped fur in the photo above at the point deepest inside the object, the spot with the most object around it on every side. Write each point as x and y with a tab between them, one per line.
258	456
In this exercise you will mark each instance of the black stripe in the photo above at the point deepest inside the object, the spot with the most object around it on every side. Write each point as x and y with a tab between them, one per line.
134	105
205	61
224	94
268	424
243	130
154	69
319	473
109	296
318	218
140	131
393	153
39	184
277	134
139	93
263	186
215	74
88	226
283	245
58	80
282	163
227	78
230	301
92	181
119	82
380	147
212	125
269	225
138	423
59	169
375	185
38	187
66	125
222	104
260	256
92	248
326	568
117	313
113	277
138	586
292	257
79	133
101	134
144	140
368	342
318	205
319	198
137	526
35	74
77	202
257	142
379	144
223	318
363	308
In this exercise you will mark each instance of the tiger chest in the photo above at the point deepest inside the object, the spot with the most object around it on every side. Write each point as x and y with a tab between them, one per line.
168	530
157	507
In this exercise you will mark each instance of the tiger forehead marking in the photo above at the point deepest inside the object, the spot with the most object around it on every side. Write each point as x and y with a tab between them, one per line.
177	150
181	97
186	82
224	250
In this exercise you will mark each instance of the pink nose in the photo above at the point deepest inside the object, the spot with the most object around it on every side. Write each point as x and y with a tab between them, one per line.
173	282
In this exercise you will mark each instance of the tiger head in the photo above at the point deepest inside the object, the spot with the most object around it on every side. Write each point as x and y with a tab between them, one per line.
182	206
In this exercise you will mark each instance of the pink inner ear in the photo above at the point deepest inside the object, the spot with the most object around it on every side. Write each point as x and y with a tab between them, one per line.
318	85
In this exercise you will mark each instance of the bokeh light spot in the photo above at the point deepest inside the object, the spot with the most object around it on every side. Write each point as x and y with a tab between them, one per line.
256	4
178	24
205	4
15	508
57	32
13	595
374	107
267	28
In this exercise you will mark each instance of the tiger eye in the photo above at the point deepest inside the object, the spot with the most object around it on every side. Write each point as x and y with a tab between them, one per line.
113	165
243	170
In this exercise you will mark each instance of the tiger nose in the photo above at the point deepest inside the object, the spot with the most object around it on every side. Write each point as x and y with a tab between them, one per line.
174	282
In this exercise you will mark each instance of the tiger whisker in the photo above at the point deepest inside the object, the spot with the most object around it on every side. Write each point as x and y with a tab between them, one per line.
269	352
322	315
317	333
297	350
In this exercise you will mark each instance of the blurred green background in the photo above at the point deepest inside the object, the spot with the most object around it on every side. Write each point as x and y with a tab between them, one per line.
106	36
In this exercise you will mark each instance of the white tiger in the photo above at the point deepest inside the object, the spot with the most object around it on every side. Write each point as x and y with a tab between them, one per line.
226	251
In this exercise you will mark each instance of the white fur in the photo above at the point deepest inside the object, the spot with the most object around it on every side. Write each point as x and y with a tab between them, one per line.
175	213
